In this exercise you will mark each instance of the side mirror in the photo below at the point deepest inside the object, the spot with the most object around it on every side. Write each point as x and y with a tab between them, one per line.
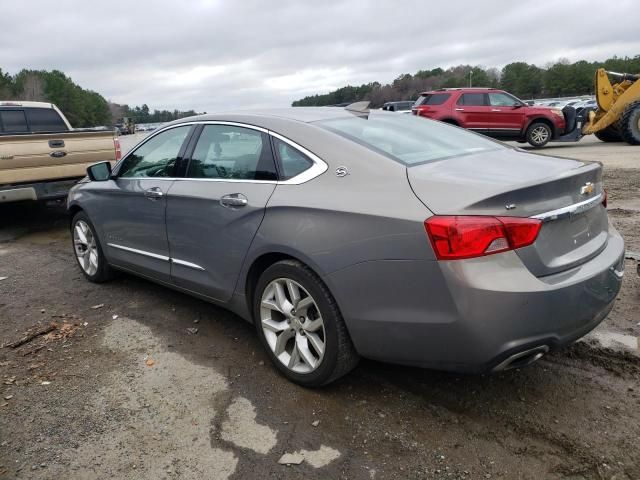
99	172
518	105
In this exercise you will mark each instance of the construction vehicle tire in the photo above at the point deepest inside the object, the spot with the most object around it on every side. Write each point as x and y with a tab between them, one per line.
609	134
629	123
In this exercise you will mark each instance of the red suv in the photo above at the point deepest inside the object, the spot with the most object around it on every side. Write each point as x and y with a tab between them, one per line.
492	112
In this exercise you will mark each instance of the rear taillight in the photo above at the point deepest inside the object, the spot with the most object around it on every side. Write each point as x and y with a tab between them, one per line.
457	237
604	198
116	144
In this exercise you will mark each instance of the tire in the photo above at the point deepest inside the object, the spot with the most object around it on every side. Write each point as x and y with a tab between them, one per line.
538	134
609	135
319	329
629	123
84	239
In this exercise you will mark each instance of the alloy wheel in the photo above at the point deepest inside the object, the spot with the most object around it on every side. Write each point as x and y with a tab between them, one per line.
292	325
539	135
86	247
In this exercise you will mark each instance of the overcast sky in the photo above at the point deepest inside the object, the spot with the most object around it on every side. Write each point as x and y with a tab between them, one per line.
210	55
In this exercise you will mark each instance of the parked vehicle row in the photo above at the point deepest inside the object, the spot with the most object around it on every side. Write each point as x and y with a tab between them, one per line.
348	233
41	156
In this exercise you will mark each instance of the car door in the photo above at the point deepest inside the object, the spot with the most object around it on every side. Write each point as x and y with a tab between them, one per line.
129	210
214	212
473	111
507	115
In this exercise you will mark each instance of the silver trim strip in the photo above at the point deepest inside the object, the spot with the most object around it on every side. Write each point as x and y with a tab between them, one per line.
570	210
186	264
139	252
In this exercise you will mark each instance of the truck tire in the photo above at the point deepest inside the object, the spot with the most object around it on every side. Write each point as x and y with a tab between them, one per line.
538	134
609	135
629	124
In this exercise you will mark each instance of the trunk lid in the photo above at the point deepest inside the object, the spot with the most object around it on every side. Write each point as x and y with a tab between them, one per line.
515	183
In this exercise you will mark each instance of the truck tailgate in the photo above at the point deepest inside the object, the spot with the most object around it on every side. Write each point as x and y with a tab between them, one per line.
40	157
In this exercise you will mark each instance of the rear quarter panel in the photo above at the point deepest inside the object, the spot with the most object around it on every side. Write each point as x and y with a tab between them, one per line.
333	222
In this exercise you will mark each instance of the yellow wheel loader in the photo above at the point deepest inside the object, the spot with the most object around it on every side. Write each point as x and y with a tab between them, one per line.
618	115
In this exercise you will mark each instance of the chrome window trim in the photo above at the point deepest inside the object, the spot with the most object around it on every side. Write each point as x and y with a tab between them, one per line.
317	168
139	252
570	210
184	263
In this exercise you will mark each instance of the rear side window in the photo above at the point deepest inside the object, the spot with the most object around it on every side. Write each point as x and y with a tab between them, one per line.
472	99
234	153
432	99
292	161
45	120
13	121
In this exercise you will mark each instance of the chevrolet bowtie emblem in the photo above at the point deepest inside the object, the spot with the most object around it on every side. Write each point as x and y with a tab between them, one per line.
587	188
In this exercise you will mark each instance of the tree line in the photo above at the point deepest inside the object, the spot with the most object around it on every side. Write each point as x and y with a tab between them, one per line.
142	114
83	108
524	80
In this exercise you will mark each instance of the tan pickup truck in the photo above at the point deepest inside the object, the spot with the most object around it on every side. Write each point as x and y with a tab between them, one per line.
41	156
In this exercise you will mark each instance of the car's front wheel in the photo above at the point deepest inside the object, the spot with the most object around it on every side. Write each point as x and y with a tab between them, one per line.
300	325
538	134
88	250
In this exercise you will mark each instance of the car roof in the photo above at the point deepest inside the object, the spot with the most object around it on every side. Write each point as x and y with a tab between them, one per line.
22	103
297	114
462	89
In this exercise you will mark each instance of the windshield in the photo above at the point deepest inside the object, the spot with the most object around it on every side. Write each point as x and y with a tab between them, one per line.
409	139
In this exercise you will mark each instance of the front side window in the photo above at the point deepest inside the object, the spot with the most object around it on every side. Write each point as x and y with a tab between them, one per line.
502	100
45	120
292	161
156	157
409	139
472	99
13	121
231	152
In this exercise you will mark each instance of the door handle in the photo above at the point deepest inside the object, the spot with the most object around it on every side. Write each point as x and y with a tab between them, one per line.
496	110
459	109
56	143
153	193
234	200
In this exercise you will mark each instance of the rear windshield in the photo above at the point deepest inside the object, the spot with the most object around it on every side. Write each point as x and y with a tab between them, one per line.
432	99
409	139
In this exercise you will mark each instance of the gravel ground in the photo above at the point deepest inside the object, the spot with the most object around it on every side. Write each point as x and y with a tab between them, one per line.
122	389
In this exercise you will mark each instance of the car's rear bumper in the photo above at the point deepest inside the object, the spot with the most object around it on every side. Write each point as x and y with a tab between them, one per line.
471	315
36	191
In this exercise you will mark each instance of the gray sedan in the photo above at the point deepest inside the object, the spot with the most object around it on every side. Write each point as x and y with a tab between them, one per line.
345	233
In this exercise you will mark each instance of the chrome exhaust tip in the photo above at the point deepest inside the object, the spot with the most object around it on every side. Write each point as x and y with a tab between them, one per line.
522	359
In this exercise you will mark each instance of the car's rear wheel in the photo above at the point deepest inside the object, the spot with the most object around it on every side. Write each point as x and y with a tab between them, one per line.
629	124
609	134
538	134
300	325
88	250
